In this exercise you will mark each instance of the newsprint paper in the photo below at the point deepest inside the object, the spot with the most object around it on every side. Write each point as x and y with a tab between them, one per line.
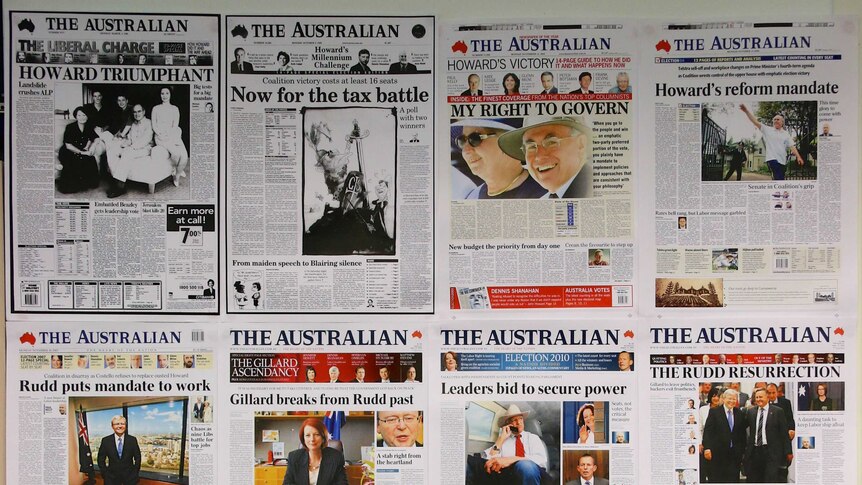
112	174
750	197
521	402
329	164
704	386
73	389
357	392
541	150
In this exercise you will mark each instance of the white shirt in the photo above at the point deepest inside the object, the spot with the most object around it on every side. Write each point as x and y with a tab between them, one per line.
777	143
534	449
757	423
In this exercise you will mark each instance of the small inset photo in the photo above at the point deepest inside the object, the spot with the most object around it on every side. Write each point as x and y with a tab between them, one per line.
820	396
582	466
726	259
600	257
585	422
805	442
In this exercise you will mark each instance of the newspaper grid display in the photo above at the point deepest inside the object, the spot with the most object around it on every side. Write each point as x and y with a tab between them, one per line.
330	164
112	181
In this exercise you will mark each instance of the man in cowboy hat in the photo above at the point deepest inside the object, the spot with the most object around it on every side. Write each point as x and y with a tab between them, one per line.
517	457
557	151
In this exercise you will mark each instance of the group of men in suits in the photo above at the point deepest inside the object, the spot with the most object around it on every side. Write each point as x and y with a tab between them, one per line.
764	452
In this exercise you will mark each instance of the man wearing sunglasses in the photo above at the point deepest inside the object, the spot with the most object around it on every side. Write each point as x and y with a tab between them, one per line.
557	151
503	176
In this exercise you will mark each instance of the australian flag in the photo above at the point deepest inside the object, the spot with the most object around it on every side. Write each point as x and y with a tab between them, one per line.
334	421
85	456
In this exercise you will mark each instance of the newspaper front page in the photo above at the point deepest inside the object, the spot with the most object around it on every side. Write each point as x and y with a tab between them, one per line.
330	164
356	393
112	180
550	402
541	139
707	385
751	170
95	402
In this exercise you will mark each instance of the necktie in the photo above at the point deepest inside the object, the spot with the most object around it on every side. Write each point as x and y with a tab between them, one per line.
730	418
760	428
587	482
120	447
553	195
519	447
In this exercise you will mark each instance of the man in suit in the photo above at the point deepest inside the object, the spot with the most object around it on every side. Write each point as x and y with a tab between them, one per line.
548	83
119	456
585	79
557	151
402	66
334	372
517	457
587	470
359	374
399	429
768	448
473	86
743	397
240	65
724	439
198	411
384	374
361	67
773	392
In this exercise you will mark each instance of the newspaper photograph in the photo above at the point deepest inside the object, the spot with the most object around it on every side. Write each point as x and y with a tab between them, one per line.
97	404
330	129
112	174
750	174
520	402
541	150
753	402
326	404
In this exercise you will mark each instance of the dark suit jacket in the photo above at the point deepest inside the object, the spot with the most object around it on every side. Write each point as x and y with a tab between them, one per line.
776	434
467	93
397	68
553	90
581	91
358	68
582	185
198	410
717	437
785	404
116	470
209	292
331	468
246	67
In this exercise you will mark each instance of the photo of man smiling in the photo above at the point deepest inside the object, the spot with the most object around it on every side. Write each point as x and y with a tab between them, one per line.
557	151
